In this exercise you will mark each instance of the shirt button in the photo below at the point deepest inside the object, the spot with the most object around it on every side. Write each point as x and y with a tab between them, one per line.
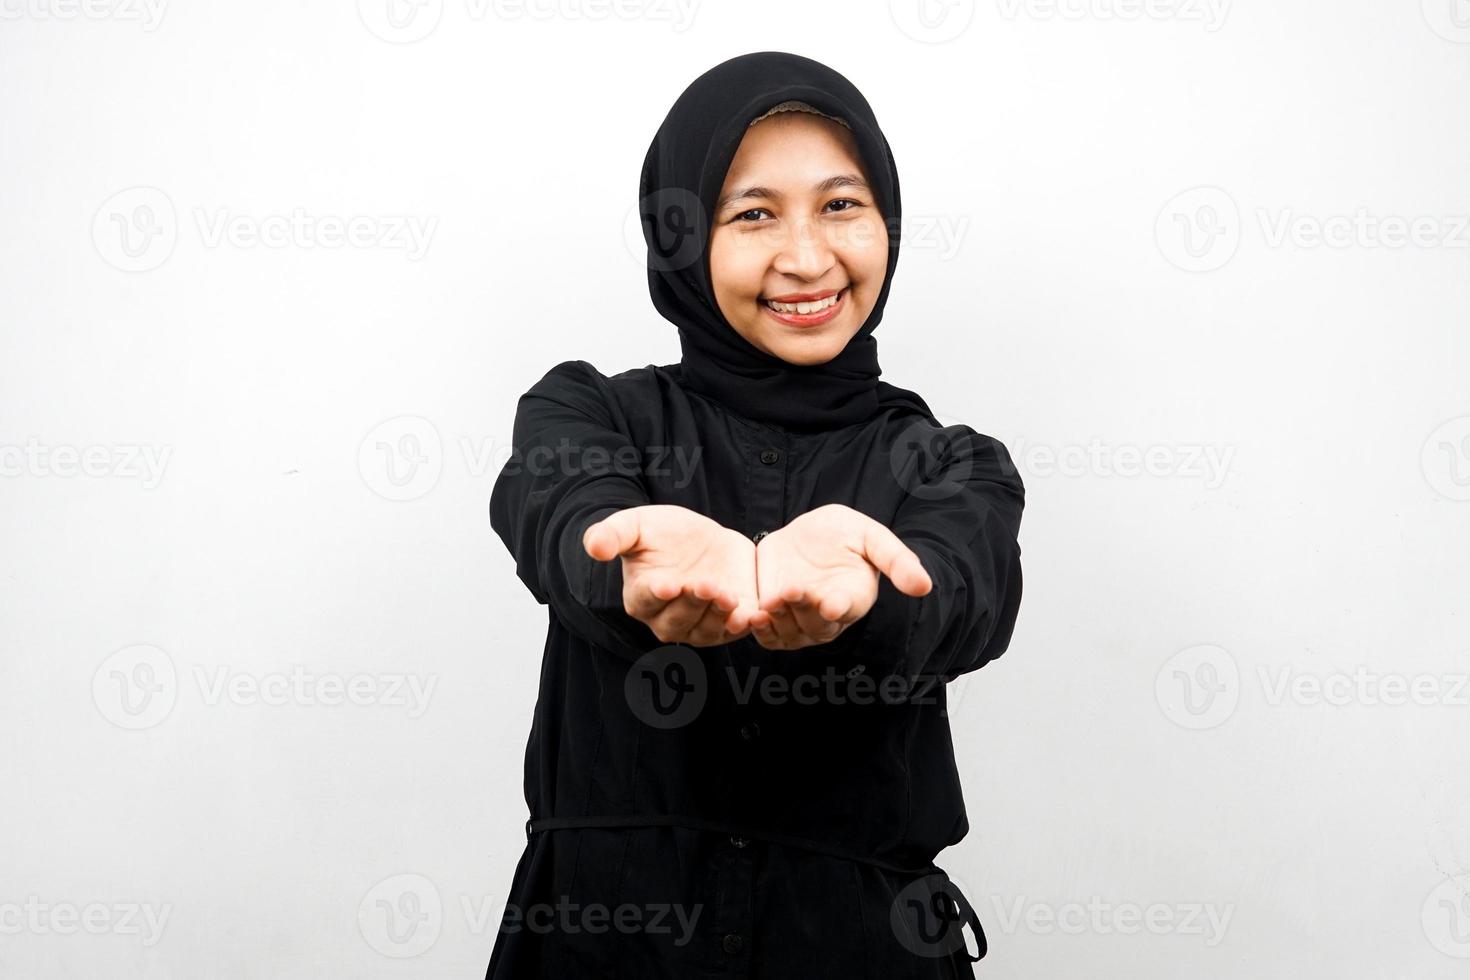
732	942
750	731
769	456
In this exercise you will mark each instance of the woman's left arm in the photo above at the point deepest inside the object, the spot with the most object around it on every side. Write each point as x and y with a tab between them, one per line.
963	521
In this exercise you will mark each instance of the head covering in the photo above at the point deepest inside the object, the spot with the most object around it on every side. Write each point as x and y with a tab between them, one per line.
683	173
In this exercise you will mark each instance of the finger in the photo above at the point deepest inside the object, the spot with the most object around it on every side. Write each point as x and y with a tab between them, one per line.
710	630
685	613
812	627
649	595
616	534
896	560
784	630
740	619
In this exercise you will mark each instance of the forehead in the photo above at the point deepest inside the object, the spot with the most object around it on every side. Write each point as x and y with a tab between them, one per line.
793	147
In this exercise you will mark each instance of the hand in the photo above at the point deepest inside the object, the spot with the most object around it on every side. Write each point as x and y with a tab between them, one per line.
686	577
819	574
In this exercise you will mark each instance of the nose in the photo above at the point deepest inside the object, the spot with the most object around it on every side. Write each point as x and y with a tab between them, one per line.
805	253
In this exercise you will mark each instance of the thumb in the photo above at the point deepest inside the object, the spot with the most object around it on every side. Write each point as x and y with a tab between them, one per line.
896	560
614	535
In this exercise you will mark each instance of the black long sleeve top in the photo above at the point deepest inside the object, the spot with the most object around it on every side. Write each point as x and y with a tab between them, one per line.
734	811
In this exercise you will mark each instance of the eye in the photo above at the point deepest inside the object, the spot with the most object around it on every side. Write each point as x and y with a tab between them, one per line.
741	216
846	200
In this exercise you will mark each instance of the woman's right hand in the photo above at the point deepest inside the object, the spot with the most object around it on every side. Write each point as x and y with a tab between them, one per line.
688	578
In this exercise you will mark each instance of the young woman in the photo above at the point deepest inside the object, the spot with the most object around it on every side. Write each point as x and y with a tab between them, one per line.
762	565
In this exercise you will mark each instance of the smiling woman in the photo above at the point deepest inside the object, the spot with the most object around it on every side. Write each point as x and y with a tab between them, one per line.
798	252
831	536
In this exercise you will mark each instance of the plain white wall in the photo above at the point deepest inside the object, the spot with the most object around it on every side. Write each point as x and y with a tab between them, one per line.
266	673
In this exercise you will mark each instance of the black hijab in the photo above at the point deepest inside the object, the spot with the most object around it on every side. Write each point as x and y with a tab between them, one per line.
683	173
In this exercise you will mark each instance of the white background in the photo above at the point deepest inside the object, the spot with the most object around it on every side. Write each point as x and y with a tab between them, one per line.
1109	216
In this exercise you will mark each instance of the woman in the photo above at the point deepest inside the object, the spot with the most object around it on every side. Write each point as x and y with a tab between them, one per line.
762	564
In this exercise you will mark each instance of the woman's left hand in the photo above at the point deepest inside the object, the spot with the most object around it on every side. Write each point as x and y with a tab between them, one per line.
819	574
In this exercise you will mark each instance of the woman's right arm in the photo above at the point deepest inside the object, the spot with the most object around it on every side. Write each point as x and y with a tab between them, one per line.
570	466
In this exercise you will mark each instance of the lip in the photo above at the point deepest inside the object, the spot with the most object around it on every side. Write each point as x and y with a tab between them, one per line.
809	319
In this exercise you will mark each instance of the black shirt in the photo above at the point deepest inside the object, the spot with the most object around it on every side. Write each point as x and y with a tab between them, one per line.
754	813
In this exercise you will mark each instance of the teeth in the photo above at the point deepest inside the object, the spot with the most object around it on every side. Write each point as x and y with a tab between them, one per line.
815	306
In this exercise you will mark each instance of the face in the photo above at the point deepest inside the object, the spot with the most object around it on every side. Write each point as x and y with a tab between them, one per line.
797	222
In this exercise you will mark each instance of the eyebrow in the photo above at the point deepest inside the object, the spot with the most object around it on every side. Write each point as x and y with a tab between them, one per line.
831	183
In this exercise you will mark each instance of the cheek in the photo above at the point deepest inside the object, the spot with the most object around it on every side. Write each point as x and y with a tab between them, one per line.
736	268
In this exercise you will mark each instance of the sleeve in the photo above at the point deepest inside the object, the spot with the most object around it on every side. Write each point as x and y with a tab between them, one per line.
962	518
569	467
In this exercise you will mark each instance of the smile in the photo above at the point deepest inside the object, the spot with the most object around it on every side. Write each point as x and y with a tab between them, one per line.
809	313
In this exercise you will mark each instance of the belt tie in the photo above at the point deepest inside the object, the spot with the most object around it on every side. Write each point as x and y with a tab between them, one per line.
967	911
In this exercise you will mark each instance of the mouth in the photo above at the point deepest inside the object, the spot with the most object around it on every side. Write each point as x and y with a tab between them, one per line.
817	311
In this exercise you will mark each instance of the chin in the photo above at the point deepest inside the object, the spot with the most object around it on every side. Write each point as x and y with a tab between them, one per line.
816	352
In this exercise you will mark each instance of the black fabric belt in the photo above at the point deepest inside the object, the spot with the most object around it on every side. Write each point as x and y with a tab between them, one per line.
535	826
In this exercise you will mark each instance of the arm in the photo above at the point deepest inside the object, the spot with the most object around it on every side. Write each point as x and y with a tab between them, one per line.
963	524
552	489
